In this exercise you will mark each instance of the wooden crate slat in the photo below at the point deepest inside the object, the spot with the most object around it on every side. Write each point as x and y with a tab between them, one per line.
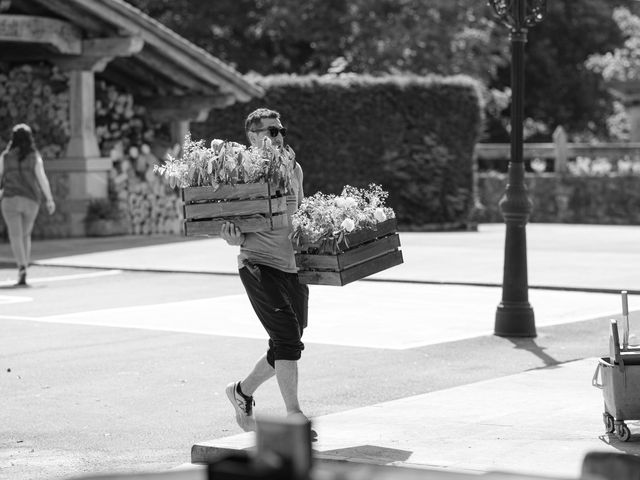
313	277
321	262
375	265
343	277
234	208
349	258
355	256
246	225
361	236
228	192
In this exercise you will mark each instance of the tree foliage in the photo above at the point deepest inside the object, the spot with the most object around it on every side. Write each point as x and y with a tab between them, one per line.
560	90
228	29
386	36
359	36
437	36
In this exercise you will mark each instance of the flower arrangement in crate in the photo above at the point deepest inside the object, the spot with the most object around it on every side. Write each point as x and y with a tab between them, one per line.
227	181
342	238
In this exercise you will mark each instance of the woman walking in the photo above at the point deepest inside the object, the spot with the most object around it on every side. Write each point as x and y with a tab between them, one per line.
23	182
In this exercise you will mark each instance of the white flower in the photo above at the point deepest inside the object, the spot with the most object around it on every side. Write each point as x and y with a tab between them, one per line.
146	150
216	145
350	202
379	215
340	202
133	152
348	224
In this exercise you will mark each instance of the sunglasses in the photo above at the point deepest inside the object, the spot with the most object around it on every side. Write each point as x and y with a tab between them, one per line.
273	131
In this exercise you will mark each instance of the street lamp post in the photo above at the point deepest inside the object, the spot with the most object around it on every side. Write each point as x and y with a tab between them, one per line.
514	315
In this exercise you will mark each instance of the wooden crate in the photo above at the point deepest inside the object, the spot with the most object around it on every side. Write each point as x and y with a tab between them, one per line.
252	207
363	253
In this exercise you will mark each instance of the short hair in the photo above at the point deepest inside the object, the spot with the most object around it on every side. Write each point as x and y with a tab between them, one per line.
254	119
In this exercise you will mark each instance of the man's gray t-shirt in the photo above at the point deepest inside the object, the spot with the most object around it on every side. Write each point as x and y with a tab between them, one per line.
274	248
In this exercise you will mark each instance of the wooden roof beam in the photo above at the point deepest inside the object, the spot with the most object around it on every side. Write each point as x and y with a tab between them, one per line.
65	37
112	47
158	84
177	75
98	52
187	107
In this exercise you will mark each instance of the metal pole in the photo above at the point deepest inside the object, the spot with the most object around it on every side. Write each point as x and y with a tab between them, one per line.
514	314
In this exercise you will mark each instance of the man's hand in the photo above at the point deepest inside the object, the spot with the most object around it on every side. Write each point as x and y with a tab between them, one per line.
232	234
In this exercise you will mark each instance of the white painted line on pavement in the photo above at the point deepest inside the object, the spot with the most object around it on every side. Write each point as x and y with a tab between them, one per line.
366	314
17	317
5	299
62	278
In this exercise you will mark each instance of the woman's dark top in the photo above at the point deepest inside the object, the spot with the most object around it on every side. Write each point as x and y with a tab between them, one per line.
19	177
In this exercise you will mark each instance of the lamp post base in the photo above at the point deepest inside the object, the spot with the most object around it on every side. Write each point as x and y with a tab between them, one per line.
515	319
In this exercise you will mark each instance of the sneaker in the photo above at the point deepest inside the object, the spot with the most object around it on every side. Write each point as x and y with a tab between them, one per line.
243	406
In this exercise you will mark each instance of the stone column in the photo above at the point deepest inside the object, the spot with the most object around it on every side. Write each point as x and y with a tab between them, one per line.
83	142
86	171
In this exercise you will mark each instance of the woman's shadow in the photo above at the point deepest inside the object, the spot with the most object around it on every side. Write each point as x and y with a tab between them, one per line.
15	286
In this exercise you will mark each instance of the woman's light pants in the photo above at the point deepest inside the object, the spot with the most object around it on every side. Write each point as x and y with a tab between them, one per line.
20	215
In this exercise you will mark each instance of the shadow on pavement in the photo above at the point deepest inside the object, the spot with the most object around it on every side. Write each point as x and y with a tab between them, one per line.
530	345
381	455
14	287
63	247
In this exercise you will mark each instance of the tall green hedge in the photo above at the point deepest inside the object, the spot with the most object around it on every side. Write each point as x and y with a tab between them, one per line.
414	136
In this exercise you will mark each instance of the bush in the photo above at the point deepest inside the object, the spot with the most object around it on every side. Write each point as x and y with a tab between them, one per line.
102	209
414	136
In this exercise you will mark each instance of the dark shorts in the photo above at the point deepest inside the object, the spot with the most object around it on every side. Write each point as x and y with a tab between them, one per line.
281	303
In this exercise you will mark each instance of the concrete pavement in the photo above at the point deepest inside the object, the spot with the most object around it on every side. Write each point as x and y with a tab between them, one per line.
539	422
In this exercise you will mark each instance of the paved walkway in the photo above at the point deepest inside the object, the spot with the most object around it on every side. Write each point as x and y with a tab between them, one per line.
539	422
559	256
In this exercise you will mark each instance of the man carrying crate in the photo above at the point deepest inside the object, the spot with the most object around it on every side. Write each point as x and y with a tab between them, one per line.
268	272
